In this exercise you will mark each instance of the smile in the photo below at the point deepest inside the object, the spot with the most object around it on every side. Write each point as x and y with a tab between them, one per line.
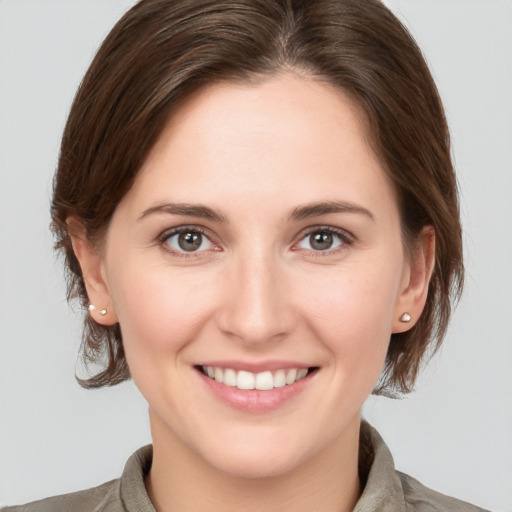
262	381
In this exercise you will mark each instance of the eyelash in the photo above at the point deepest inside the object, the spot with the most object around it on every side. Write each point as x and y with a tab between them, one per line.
346	239
167	235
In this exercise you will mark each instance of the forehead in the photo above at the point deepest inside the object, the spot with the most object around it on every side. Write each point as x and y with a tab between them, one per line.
287	137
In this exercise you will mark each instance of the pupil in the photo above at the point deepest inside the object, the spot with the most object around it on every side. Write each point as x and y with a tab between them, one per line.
321	241
190	241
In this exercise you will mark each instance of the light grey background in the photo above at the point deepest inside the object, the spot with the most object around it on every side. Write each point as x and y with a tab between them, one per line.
453	434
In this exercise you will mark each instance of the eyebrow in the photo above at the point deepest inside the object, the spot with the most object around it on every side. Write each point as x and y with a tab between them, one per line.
302	212
185	209
325	207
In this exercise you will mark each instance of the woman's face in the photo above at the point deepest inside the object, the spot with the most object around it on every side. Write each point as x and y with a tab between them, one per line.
261	240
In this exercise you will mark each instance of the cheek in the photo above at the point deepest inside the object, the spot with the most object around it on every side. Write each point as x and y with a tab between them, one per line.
159	311
351	310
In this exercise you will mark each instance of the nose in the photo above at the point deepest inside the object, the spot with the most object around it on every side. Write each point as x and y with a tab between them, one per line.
256	307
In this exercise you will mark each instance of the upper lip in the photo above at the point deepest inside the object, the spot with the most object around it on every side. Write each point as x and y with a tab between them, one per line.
255	367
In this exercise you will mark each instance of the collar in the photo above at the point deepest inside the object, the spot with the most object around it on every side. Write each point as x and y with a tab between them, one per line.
382	486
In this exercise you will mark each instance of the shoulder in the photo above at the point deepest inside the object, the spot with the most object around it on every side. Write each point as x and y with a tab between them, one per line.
386	489
96	499
419	498
127	493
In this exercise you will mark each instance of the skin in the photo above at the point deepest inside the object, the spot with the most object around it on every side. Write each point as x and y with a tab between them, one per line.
258	291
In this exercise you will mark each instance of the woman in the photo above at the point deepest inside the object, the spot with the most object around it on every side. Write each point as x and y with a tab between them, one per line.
258	211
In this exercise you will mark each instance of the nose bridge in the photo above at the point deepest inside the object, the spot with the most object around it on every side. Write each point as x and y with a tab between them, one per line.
256	308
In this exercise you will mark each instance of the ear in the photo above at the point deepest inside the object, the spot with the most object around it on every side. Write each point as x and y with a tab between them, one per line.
415	281
91	264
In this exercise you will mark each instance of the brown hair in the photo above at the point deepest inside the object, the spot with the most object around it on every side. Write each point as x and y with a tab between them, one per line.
161	51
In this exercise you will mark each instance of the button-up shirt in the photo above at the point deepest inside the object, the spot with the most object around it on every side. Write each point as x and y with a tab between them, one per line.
385	489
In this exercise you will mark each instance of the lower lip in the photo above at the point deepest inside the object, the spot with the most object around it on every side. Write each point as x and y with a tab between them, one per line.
254	400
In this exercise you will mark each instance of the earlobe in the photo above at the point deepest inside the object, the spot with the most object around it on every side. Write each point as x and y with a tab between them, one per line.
100	305
413	295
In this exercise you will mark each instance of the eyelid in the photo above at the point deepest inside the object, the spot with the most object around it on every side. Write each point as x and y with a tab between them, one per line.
345	236
169	233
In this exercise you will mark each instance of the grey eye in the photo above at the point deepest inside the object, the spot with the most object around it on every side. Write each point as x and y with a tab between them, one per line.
321	240
188	241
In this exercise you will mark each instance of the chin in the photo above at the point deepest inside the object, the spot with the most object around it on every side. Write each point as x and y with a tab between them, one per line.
259	452
255	464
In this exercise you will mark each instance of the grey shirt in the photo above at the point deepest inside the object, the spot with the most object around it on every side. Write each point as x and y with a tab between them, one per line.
385	489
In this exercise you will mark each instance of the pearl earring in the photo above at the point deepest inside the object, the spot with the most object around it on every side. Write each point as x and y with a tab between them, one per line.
405	318
92	307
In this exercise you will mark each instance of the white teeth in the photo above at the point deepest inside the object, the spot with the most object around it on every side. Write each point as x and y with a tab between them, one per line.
291	376
302	373
279	379
245	380
230	377
219	377
262	381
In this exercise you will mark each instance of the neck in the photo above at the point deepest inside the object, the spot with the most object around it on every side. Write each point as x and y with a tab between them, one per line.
182	480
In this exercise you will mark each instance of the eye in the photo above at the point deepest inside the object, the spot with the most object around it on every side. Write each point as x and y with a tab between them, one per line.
186	240
324	239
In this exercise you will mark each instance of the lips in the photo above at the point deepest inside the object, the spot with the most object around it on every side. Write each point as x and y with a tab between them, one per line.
256	388
262	381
